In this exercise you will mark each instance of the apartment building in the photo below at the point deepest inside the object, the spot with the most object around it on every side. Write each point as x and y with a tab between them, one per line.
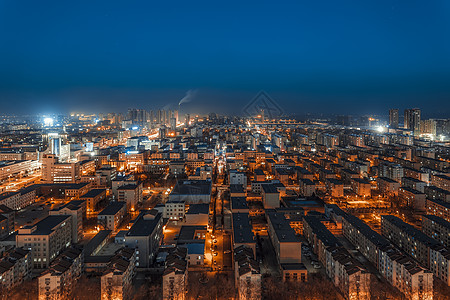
145	236
46	239
307	187
131	194
58	281
414	183
388	186
112	216
361	187
75	209
441	181
287	245
402	272
7	219
242	231
412	198
427	251
175	275
346	273
15	267
92	198
335	187
14	168
437	228
438	208
18	200
247	274
117	279
270	196
55	172
174	210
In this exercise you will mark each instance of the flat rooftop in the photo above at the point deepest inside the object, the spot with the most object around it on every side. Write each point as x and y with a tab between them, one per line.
280	225
113	208
242	229
93	193
192	187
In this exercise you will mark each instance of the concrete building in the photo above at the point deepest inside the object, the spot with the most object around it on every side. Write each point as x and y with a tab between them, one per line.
7	219
18	200
335	188
346	273
414	183
361	187
15	267
56	172
57	282
437	228
75	209
239	205
131	194
270	196
441	181
235	177
145	236
174	210
400	271
197	214
112	216
247	274
242	231
427	251
192	191
175	275
46	239
412	198
307	187
287	245
92	198
117	279
438	208
387	186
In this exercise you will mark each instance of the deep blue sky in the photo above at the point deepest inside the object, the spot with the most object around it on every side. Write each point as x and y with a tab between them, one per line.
323	55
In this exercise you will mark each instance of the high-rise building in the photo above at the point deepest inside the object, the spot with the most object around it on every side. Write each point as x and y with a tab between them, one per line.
393	118
428	127
412	120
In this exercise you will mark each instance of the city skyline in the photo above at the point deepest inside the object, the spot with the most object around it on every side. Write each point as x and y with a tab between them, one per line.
329	57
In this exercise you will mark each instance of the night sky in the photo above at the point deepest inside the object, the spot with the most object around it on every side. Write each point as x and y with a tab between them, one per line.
310	56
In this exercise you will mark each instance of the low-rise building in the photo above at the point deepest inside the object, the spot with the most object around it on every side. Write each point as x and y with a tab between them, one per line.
145	236
361	187
400	271
112	216
247	274
192	191
307	187
15	267
427	251
92	198
175	275
287	245
412	198
242	231
437	228
174	210
117	279
197	214
46	239
387	186
270	196
57	282
75	209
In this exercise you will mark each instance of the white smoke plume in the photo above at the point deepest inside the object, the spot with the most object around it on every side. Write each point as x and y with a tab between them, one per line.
188	97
